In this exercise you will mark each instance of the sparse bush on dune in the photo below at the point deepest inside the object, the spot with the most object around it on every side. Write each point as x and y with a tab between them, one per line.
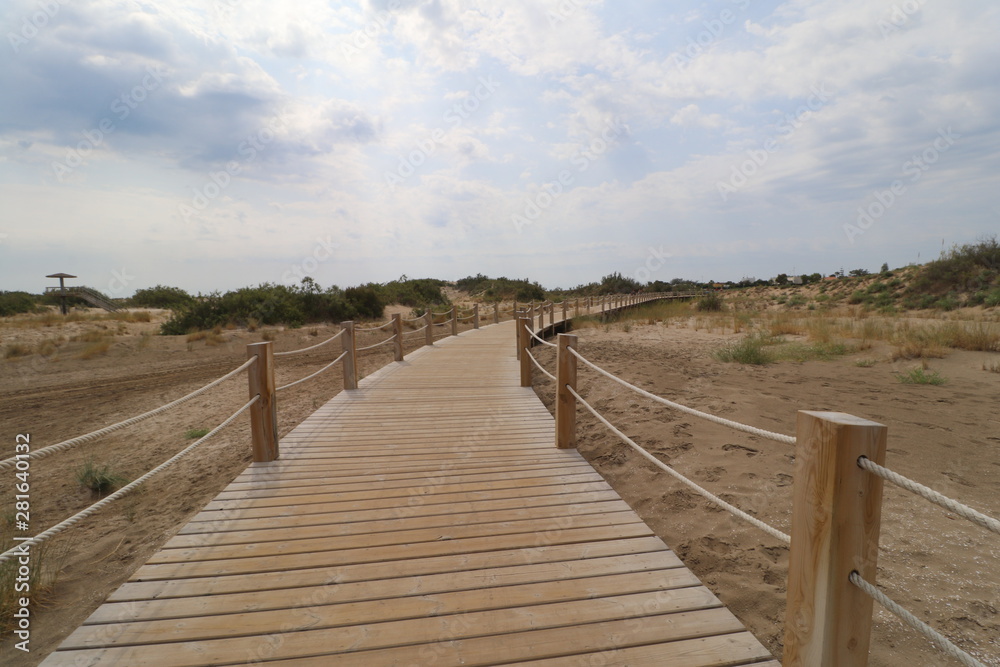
15	303
161	296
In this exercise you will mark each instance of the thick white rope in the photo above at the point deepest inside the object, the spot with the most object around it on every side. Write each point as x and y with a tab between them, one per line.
68	444
927	493
414	319
538	365
306	349
467	317
442	324
372	347
735	511
540	340
415	331
378	328
447	312
310	377
939	640
788	439
23	547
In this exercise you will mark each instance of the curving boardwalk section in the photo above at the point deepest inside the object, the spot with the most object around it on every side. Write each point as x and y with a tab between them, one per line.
424	519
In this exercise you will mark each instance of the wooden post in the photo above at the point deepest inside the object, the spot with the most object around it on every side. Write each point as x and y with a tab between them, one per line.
454	320
350	365
565	401
263	413
541	316
552	313
496	313
523	343
475	316
429	331
577	307
397	327
518	316
564	310
836	515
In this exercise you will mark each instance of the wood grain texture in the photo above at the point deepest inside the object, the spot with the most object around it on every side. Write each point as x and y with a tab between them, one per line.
424	518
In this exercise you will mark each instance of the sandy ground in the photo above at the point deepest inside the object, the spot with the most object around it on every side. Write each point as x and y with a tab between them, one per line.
939	566
63	396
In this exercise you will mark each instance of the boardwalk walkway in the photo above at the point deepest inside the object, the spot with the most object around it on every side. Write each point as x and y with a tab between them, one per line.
424	519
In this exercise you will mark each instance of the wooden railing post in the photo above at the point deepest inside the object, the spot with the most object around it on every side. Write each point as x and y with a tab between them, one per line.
836	514
263	413
523	343
429	331
475	316
576	311
565	401
454	320
496	313
350	361
541	316
564	309
552	313
518	316
397	327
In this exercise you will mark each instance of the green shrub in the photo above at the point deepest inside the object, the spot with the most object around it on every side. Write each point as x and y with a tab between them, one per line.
161	296
100	479
857	297
710	303
14	303
920	376
194	433
748	350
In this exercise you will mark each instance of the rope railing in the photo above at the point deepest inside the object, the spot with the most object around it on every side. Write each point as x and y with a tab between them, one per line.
735	511
73	442
310	377
447	312
415	331
536	337
929	494
753	430
539	366
22	546
311	347
380	327
380	343
939	640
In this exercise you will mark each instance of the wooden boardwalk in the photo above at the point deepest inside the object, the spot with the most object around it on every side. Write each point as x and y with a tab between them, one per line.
424	519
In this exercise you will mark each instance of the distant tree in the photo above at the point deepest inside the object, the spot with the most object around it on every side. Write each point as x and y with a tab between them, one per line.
782	279
815	277
885	267
858	273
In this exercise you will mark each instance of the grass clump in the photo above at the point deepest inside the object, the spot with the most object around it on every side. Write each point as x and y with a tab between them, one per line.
710	303
100	479
812	352
921	375
748	350
15	350
40	579
865	363
194	433
95	349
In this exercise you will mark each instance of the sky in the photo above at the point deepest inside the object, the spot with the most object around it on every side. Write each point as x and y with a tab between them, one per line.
225	143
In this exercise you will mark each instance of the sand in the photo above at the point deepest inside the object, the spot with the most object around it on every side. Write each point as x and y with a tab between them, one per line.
941	567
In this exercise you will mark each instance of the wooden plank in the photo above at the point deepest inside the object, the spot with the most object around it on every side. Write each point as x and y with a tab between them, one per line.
424	517
671	574
321	613
707	619
140	587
